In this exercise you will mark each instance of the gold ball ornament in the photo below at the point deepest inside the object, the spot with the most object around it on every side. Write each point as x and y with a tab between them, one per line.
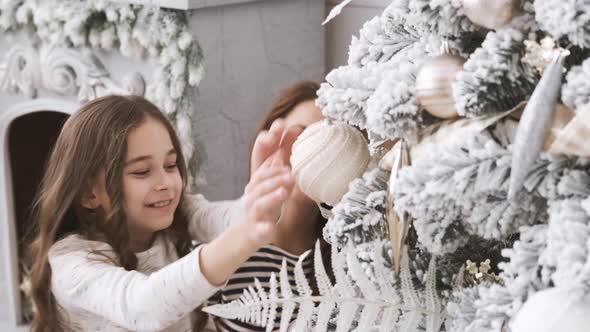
326	158
434	81
491	14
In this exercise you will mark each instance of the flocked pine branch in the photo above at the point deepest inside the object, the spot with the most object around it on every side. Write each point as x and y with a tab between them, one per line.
444	18
345	93
569	226
393	111
567	249
462	307
575	93
489	307
460	188
355	300
379	40
546	255
358	217
522	276
569	179
494	78
376	89
569	19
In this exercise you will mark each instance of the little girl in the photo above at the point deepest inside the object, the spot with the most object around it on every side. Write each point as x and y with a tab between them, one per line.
112	247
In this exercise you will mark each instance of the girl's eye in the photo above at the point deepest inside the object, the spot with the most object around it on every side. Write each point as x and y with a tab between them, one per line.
141	173
171	166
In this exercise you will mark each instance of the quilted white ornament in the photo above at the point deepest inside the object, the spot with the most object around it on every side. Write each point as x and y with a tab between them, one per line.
326	158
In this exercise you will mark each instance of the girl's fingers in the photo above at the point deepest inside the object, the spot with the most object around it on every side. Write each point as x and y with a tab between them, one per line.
283	155
266	144
263	174
277	128
261	150
268	207
290	136
272	183
269	161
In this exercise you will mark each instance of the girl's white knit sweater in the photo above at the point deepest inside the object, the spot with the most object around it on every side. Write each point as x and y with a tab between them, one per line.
97	295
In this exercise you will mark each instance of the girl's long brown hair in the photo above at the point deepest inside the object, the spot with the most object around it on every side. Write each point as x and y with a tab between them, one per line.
280	107
92	139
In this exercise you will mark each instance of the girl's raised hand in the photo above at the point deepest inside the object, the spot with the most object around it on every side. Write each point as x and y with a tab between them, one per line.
270	185
271	182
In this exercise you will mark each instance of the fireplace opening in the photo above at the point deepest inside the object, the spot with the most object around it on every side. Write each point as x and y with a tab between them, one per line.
30	139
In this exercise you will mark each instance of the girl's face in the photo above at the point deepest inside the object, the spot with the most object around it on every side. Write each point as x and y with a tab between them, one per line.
304	114
152	184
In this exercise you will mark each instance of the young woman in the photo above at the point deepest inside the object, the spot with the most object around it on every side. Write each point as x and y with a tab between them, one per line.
300	224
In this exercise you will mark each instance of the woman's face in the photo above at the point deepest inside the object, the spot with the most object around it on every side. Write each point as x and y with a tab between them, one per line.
304	114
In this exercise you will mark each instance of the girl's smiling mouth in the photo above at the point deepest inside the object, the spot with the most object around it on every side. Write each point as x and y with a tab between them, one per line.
160	204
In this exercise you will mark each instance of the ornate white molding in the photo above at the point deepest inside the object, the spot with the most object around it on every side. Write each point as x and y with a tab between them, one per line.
62	27
64	71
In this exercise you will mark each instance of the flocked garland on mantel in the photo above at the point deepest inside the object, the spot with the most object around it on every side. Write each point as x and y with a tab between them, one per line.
133	30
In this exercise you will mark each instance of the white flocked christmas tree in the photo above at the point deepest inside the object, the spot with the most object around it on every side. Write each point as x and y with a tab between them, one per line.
493	210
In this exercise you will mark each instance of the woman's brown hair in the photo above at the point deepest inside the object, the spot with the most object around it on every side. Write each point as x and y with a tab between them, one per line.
92	139
280	107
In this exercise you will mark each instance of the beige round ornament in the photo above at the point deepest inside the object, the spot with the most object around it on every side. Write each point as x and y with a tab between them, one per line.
491	14
434	85
326	158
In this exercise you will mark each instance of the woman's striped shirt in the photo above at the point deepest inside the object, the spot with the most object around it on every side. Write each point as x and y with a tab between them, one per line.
264	262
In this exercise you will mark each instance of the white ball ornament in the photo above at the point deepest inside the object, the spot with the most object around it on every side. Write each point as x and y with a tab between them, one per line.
326	158
491	14
554	310
434	85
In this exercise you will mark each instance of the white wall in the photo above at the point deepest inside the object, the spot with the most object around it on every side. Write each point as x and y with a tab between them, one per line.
252	51
339	31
